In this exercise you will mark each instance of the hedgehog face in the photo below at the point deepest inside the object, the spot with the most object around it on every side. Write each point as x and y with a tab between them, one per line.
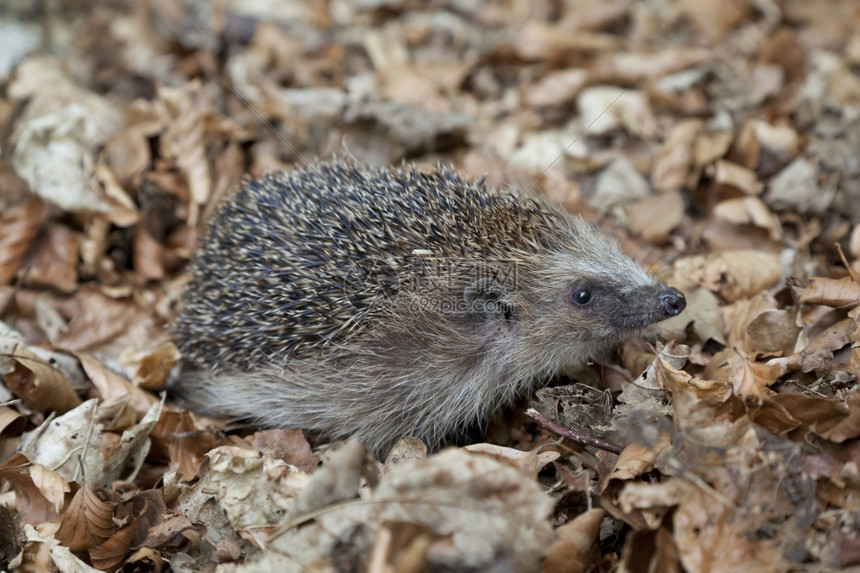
574	312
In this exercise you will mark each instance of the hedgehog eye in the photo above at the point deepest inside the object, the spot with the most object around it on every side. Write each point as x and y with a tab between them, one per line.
582	296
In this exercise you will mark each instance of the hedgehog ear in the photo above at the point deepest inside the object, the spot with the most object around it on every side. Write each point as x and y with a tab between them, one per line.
486	300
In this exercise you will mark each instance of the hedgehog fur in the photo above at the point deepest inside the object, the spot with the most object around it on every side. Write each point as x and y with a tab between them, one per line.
385	302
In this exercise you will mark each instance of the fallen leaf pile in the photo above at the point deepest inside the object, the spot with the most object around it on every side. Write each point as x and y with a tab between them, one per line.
718	142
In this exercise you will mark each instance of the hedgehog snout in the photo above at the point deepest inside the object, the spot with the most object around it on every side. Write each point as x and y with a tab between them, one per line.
672	302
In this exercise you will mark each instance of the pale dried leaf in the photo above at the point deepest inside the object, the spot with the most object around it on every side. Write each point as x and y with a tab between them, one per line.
57	135
406	451
797	188
42	551
733	274
529	462
749	210
51	484
673	162
656	217
738	177
616	186
183	142
603	109
111	385
149	368
556	88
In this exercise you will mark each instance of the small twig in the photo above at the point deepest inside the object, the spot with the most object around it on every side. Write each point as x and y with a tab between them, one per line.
586	439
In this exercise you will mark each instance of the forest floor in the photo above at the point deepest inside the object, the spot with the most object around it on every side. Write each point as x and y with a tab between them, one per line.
717	141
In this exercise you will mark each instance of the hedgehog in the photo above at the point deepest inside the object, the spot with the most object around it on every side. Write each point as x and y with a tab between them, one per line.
380	303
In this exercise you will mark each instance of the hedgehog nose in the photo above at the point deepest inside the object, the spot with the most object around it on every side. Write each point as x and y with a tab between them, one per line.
673	302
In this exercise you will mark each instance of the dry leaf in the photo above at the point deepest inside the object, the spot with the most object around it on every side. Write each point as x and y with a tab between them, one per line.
733	275
774	331
529	462
618	185
838	293
45	553
819	351
797	188
87	522
575	549
55	263
56	137
826	418
41	385
752	211
673	162
183	142
183	442
751	379
656	217
149	368
556	88
738	177
541	41
111	385
18	228
603	109
406	451
32	504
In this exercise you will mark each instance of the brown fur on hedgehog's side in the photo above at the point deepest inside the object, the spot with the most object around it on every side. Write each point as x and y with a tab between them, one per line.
389	302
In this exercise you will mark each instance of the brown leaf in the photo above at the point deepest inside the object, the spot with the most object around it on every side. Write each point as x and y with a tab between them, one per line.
18	228
732	274
740	315
655	217
818	353
150	367
55	261
128	155
12	423
711	146
100	320
556	87
148	256
31	503
709	540
541	41
183	142
110	553
575	547
636	460
87	522
40	385
749	211
175	531
52	485
672	164
751	379
826	417
288	445
142	512
775	331
695	401
838	293
177	437
111	385
737	177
